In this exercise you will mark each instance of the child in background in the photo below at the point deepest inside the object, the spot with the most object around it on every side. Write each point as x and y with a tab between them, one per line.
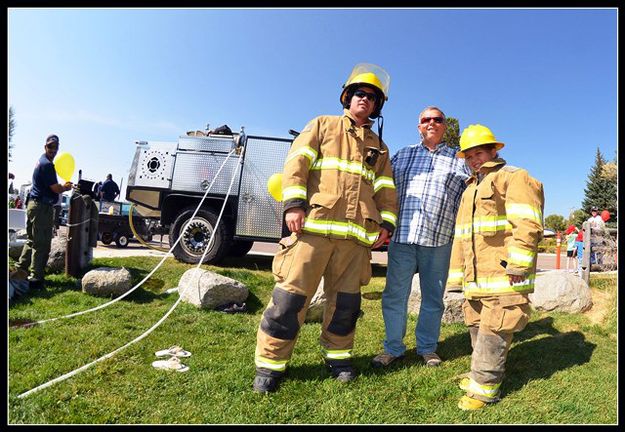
571	248
579	242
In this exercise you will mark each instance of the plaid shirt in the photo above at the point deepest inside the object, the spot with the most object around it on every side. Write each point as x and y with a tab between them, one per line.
429	186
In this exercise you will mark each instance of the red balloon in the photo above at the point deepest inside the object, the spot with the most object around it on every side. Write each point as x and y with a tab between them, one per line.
605	215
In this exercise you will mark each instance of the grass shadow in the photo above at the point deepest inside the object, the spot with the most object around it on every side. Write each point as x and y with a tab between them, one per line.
540	359
459	345
249	262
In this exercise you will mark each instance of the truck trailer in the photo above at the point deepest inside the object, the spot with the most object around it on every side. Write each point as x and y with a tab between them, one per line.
167	181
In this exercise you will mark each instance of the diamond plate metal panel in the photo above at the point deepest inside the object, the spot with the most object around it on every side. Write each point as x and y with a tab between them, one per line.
259	215
213	143
195	171
154	165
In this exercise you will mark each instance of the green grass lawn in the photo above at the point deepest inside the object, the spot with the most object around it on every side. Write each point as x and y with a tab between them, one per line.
561	369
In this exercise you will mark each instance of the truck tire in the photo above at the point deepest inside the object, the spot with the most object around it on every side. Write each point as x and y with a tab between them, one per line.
196	236
121	240
106	238
240	248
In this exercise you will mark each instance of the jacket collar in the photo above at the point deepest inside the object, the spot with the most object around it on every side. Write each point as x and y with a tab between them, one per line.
350	123
488	167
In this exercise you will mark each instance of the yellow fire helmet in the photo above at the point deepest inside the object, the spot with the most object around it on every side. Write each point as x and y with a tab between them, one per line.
476	135
369	75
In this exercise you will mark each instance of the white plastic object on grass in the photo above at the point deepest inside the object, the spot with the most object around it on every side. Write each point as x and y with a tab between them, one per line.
170	364
174	350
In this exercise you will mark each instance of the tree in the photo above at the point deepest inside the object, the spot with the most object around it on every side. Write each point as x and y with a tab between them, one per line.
575	218
555	222
600	190
11	129
452	134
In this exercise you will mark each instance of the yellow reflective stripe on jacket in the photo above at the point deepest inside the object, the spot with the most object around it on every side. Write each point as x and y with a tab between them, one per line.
491	223
343	165
489	391
275	365
499	284
389	217
383	182
524	211
455	276
337	354
483	224
343	229
305	151
294	192
520	256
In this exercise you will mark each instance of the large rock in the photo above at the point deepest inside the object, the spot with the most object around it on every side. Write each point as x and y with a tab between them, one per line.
58	250
317	305
561	291
452	301
107	282
207	290
15	249
56	259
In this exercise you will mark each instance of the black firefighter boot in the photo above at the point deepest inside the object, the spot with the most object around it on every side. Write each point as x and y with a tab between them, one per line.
341	370
266	380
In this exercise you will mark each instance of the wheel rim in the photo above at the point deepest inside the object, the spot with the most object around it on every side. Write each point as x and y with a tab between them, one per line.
123	241
195	236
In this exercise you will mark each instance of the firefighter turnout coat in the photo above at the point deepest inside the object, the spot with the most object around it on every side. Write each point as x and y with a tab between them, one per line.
498	227
342	176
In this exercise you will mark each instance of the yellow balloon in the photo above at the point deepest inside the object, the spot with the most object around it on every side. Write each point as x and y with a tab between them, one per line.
64	166
274	186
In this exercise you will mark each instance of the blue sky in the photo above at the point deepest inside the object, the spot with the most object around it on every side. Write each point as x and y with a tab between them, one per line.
543	80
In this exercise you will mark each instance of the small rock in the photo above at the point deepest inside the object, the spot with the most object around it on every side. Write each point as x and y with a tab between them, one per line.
107	282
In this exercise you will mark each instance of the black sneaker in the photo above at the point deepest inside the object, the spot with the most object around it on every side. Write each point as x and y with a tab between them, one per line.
35	284
342	371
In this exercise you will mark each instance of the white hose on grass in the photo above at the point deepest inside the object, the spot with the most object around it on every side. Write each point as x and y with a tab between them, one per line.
102	306
160	321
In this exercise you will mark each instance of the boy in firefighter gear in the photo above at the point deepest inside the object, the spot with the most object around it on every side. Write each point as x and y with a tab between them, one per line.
339	203
493	259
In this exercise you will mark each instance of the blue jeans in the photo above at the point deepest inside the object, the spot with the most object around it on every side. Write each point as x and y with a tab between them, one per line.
432	264
580	252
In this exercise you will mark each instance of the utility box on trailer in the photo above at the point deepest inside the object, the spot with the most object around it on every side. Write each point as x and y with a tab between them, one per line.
168	180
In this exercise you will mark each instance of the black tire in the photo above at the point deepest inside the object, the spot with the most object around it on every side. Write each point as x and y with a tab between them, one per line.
240	248
197	235
106	238
121	240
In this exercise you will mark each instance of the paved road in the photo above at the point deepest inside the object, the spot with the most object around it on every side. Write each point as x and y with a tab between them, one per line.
545	261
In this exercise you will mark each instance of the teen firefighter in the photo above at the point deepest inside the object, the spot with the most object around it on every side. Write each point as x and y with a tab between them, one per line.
493	259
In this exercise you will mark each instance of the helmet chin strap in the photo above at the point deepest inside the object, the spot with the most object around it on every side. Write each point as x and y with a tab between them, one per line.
380	127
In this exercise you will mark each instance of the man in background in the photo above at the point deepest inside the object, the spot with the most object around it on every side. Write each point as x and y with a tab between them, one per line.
40	217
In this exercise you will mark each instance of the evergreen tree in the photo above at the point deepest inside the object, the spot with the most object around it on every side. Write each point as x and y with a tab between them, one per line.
600	191
11	130
452	133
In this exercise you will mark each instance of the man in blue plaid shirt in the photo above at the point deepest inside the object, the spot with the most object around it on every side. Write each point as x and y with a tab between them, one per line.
429	181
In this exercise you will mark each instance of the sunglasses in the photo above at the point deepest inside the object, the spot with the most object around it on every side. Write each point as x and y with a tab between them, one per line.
363	94
438	120
52	147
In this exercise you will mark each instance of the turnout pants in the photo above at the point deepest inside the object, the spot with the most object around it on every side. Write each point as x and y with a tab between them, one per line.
39	224
492	321
297	269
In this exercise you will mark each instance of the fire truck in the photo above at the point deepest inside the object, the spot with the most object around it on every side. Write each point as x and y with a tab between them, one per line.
167	181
